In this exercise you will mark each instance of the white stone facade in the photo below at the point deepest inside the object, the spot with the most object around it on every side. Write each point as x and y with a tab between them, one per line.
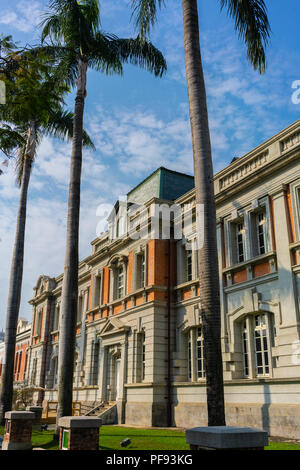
139	340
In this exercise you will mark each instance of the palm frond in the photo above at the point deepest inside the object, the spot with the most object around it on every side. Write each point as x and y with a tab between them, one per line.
91	12
252	25
108	53
60	124
142	53
10	139
6	44
20	164
102	56
144	13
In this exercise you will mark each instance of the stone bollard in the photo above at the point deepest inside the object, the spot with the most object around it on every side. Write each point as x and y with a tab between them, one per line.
18	429
226	438
79	433
37	410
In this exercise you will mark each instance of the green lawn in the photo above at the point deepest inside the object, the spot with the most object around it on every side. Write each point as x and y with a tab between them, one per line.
141	439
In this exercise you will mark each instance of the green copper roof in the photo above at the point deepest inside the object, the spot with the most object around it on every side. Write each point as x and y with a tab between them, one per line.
162	184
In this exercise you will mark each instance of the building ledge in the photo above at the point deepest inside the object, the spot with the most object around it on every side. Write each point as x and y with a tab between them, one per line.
254	260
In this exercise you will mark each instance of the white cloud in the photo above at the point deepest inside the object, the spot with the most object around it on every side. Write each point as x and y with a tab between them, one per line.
25	17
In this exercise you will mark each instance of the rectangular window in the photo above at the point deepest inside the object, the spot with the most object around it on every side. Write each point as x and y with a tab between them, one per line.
240	240
120	283
140	271
200	355
56	318
261	239
261	345
143	357
189	359
198	348
143	270
55	371
97	300
189	265
245	350
140	356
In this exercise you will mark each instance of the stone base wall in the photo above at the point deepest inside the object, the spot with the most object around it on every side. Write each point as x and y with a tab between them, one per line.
146	414
278	420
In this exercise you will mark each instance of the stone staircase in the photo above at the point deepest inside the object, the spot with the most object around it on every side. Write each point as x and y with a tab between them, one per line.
107	411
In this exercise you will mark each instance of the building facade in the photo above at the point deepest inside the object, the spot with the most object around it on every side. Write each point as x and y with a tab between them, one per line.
139	341
21	352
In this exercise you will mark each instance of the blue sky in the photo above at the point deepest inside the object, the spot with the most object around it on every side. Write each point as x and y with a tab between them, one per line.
139	122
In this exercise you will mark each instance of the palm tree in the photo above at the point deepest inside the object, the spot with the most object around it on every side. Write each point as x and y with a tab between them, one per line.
251	23
76	40
34	109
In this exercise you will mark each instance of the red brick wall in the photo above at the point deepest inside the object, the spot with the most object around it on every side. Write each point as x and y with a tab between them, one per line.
106	285
158	262
261	269
20	365
239	276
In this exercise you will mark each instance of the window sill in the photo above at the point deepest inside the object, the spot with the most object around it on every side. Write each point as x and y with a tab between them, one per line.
254	260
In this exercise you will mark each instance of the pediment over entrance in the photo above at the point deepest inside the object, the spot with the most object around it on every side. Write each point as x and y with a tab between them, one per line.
113	326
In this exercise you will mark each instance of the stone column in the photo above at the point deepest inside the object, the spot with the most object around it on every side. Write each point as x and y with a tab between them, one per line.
220	266
194	260
285	274
111	284
134	273
179	262
122	381
102	372
94	280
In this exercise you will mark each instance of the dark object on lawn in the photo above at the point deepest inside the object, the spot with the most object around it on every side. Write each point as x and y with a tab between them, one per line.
44	427
125	443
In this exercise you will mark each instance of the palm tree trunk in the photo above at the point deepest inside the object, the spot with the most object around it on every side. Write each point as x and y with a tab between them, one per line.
15	282
204	188
67	328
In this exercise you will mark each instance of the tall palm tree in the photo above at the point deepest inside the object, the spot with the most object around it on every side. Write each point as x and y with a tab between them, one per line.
72	26
252	26
34	109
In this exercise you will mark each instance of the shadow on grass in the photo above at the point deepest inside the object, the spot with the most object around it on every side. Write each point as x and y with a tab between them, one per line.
51	445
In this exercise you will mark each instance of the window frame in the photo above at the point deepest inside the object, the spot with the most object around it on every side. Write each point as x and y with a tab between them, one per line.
240	232
120	286
195	343
249	326
189	265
